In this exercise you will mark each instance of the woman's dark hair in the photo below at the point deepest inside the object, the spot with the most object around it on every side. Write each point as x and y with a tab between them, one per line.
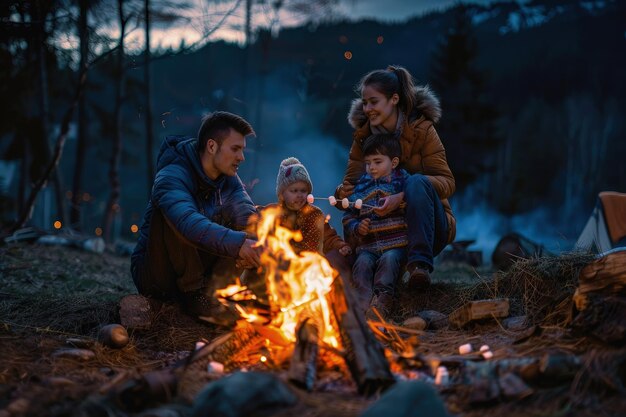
390	81
383	144
217	126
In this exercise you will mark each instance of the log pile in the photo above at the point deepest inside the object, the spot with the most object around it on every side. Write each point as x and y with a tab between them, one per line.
600	299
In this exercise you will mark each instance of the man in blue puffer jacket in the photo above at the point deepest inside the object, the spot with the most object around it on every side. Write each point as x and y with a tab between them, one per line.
192	239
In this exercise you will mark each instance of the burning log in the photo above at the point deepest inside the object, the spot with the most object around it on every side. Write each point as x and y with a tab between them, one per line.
303	367
364	355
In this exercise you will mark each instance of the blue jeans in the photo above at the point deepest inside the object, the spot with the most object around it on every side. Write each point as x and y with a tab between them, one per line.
376	273
426	220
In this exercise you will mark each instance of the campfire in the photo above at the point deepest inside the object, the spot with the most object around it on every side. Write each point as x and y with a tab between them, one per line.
296	312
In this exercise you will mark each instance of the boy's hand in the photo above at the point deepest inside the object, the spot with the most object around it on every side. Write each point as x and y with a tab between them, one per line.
249	254
345	250
345	190
364	227
389	204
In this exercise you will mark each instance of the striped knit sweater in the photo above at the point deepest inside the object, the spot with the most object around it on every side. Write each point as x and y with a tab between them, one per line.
385	232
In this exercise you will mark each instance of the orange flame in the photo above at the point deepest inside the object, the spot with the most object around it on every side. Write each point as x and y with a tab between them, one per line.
297	284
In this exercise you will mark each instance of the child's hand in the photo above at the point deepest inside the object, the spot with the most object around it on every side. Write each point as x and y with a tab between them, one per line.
345	250
363	227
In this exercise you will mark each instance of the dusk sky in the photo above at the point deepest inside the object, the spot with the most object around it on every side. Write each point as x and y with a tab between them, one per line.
206	15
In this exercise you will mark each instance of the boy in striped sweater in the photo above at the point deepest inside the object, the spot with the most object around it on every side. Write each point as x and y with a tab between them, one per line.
380	241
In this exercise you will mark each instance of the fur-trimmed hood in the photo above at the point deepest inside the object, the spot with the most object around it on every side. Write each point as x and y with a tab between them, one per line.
427	106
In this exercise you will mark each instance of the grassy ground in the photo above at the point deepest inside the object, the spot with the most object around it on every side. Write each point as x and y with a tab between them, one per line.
50	294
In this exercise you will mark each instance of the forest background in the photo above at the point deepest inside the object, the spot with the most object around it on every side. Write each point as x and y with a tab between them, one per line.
532	95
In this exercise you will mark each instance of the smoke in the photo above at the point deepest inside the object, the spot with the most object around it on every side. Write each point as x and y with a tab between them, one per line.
545	225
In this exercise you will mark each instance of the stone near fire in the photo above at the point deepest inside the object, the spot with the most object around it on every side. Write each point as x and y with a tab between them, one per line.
515	323
135	312
416	323
76	354
434	319
408	399
243	394
113	335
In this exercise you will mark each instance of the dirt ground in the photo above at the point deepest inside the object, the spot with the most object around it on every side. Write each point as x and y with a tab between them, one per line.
50	294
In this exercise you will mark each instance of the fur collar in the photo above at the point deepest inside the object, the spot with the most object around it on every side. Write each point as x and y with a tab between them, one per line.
427	106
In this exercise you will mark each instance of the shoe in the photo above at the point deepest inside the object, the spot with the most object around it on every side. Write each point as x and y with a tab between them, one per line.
383	303
419	276
207	308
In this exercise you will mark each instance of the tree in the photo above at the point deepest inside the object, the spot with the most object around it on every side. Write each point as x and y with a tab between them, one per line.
112	207
468	122
81	146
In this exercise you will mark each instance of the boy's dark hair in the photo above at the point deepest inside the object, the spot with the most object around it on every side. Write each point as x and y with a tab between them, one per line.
383	144
217	126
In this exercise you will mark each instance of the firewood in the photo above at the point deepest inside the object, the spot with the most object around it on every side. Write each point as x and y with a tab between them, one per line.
606	275
364	355
303	366
481	309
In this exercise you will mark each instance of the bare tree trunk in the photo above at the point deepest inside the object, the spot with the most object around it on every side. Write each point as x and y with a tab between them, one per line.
44	105
113	207
58	150
148	89
81	146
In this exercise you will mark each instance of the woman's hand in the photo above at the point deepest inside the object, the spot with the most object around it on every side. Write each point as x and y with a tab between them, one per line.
389	204
345	250
345	190
364	227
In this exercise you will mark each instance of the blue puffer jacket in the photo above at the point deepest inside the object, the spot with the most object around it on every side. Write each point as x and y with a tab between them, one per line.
208	214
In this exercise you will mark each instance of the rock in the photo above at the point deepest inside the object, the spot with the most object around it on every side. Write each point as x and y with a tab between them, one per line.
243	394
434	319
515	323
135	312
80	343
18	407
113	335
408	399
58	381
77	354
416	323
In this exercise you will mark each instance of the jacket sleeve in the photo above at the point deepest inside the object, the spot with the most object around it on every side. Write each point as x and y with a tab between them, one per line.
435	166
355	167
172	194
332	240
350	221
240	204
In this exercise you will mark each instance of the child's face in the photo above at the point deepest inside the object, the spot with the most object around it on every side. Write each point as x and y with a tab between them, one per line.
294	196
379	165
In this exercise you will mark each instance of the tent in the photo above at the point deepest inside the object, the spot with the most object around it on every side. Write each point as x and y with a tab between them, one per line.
606	227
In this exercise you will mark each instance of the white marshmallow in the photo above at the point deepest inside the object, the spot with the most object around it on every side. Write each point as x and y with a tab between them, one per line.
358	204
465	349
215	367
345	203
442	377
332	200
484	348
310	199
488	354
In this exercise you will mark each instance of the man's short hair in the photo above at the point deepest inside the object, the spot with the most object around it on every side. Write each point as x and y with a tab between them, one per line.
217	126
384	144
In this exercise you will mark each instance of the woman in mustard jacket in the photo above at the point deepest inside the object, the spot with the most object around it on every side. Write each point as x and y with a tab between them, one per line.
390	102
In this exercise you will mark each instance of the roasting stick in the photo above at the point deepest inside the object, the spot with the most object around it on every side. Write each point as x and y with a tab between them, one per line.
358	204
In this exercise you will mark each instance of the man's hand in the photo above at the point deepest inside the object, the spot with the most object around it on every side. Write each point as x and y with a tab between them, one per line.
389	204
345	190
345	250
250	254
364	227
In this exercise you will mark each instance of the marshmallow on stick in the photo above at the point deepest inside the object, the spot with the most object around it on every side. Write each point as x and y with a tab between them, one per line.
345	203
